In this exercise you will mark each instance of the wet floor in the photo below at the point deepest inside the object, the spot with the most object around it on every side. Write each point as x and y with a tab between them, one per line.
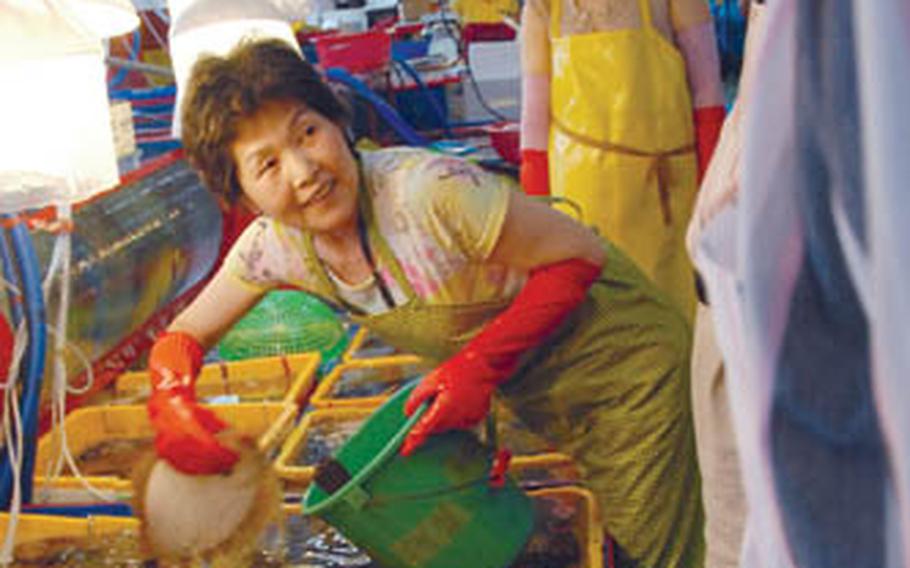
558	541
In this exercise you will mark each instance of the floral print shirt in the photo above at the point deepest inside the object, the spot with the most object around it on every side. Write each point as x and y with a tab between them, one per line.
441	217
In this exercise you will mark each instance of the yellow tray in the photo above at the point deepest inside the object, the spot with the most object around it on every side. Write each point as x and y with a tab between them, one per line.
288	378
299	475
269	423
589	530
365	345
539	468
32	528
70	489
544	468
390	371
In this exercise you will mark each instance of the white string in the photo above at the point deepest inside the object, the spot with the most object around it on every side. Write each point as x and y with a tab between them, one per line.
61	261
10	286
13	446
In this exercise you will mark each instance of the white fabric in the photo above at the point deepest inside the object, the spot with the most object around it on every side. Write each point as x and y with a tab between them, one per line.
747	247
366	295
769	249
722	238
718	457
883	41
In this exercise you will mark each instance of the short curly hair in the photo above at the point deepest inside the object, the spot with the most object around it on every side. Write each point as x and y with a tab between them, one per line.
222	91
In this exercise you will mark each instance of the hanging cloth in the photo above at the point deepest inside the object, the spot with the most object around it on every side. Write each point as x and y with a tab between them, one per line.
882	40
622	143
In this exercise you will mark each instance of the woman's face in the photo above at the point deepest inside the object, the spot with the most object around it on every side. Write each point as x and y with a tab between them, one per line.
295	165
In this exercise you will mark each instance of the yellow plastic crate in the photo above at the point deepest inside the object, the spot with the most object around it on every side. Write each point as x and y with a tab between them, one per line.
292	473
30	528
380	377
531	469
586	524
541	469
366	345
70	489
91	426
534	459
286	378
588	527
39	535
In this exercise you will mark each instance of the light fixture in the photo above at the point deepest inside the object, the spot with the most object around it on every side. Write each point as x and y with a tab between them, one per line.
201	27
56	144
56	149
103	18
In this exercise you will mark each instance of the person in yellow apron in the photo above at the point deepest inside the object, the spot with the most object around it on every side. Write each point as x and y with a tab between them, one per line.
443	259
609	88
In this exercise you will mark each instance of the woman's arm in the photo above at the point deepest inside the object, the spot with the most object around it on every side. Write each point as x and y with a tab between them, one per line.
563	259
693	30
534	235
186	432
221	303
535	96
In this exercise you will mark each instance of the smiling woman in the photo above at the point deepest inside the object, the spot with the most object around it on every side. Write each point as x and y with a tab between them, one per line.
443	259
296	166
225	92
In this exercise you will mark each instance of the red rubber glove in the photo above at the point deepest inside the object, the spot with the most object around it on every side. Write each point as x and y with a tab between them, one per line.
463	385
185	432
708	122
535	172
7	345
6	348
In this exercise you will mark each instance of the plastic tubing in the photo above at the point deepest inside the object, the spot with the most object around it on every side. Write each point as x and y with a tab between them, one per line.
27	262
167	91
11	276
385	110
434	104
134	56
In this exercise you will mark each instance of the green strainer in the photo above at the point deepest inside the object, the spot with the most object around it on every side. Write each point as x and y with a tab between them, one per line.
285	321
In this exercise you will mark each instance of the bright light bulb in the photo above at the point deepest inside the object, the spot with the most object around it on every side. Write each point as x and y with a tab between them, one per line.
103	18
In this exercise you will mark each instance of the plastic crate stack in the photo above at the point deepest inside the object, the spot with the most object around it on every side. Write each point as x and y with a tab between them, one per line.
370	371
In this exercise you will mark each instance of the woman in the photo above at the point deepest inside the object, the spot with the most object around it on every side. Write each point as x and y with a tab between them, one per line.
442	259
621	108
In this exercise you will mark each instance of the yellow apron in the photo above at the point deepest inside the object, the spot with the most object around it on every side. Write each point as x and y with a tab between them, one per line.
610	388
485	11
622	144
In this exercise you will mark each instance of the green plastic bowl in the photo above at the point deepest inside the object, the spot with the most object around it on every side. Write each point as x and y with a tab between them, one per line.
432	509
284	322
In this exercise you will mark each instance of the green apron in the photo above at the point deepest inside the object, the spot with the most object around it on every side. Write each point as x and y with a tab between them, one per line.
610	388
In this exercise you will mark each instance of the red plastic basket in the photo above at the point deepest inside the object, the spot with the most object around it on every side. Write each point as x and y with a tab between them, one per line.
355	53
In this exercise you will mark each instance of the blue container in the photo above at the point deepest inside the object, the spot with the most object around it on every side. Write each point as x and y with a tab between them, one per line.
415	107
410	49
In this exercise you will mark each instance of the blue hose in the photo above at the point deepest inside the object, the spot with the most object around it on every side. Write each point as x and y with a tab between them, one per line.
82	510
434	104
144	94
32	369
385	110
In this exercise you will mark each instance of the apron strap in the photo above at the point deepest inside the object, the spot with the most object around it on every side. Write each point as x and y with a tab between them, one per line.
326	288
644	10
369	233
374	237
555	17
660	164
